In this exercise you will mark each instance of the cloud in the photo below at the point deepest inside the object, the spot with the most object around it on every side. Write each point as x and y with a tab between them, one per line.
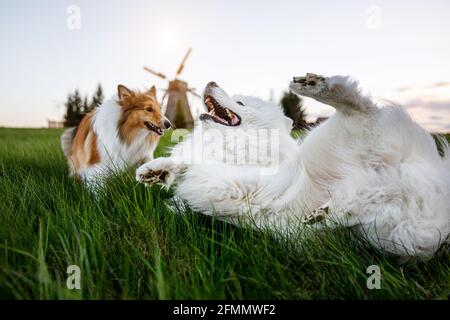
428	104
436	85
440	84
404	89
432	114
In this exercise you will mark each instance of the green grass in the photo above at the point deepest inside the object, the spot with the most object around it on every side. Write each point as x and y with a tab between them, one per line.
129	245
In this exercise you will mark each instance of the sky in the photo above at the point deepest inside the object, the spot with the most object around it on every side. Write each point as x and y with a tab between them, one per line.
399	50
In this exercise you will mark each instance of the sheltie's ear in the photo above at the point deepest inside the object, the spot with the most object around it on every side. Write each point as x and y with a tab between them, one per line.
123	92
152	91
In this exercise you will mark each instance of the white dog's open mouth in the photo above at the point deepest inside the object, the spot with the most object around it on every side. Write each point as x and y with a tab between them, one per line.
218	113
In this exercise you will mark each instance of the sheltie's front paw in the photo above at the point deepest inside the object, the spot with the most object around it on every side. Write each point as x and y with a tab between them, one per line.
310	86
156	171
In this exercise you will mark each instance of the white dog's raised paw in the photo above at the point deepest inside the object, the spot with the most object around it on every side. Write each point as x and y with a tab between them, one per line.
311	85
151	177
155	171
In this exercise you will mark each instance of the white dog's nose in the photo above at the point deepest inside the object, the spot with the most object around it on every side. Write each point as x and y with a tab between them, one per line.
212	84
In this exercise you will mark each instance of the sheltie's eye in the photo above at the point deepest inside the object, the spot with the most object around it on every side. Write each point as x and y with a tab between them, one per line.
149	109
240	102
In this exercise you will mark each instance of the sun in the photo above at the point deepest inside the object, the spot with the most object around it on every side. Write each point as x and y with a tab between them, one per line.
167	37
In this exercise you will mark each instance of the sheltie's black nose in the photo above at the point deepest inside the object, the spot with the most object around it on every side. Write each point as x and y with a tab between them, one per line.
212	84
167	124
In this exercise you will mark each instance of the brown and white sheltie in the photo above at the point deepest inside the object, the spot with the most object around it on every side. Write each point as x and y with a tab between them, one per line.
120	133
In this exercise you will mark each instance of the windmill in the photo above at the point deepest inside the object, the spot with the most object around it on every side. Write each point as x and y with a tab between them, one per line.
177	109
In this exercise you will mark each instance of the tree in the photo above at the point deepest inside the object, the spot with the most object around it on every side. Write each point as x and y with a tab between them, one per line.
77	106
70	112
85	106
293	108
98	97
74	109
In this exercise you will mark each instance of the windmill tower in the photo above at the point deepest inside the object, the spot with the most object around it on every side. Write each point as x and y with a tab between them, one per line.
177	108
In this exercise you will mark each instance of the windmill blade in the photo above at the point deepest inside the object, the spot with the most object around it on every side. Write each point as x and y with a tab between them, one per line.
192	90
158	74
181	67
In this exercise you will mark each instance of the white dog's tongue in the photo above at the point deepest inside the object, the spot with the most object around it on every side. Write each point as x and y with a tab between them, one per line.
234	120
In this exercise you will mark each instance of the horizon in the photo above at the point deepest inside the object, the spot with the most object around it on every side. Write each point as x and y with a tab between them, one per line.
399	51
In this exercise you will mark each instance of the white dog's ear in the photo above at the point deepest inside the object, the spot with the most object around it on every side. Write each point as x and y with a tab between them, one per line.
123	92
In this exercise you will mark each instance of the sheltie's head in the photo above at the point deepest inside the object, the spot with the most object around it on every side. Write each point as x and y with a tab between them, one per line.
140	110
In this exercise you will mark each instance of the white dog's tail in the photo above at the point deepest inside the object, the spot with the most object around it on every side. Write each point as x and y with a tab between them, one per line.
66	141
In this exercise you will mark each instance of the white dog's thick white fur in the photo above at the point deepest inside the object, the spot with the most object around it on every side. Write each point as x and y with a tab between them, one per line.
368	168
382	171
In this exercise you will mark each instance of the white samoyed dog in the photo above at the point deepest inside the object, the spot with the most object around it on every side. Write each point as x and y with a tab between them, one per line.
366	167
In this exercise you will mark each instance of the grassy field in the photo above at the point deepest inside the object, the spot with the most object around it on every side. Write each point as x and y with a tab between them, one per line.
129	245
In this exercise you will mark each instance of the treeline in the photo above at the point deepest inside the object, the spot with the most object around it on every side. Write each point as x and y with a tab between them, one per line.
77	106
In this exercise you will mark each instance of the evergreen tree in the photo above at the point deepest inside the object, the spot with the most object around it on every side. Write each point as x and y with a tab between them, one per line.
98	97
74	109
85	108
70	112
293	108
77	106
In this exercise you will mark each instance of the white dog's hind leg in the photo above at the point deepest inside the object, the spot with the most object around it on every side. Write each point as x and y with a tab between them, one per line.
329	216
339	92
317	216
